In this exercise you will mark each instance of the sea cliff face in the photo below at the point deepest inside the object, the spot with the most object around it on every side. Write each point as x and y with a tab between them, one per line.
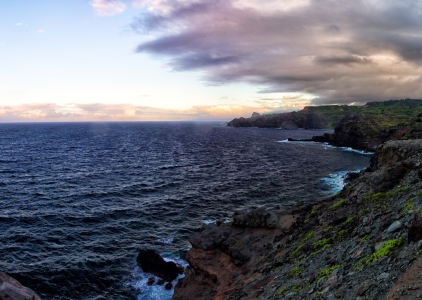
379	114
363	243
366	133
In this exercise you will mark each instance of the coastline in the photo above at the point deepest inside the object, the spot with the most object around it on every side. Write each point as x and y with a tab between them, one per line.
350	246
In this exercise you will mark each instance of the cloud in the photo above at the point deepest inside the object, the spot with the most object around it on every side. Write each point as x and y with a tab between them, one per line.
341	51
41	30
51	112
108	7
19	24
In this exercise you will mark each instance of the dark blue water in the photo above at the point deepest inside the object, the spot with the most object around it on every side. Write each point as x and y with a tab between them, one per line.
79	200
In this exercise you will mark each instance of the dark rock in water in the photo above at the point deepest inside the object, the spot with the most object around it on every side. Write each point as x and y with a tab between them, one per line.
151	281
11	289
168	286
258	218
181	269
153	263
415	230
160	281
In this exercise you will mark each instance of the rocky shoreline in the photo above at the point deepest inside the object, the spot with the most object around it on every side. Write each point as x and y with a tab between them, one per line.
362	243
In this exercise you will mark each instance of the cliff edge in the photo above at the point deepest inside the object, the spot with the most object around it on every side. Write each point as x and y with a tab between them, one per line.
363	243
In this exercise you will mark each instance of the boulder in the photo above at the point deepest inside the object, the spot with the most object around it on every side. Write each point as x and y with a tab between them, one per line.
258	218
168	286
11	289
153	263
415	230
151	281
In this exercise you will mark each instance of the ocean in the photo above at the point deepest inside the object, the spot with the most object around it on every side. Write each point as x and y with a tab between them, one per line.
79	200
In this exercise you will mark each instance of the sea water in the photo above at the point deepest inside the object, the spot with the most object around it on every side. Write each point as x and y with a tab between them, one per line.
79	200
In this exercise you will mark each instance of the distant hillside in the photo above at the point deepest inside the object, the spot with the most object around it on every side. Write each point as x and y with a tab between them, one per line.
393	112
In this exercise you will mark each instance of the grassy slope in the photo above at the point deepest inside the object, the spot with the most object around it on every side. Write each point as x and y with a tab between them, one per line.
390	113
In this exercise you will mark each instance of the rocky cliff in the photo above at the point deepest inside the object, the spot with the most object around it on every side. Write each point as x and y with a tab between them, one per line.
365	133
363	243
391	113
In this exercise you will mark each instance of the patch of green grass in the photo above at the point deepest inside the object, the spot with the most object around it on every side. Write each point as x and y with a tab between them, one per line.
376	198
329	228
299	286
386	250
296	251
349	220
419	193
309	235
338	204
293	272
280	292
340	234
320	243
409	205
306	221
313	212
316	252
364	239
327	272
402	189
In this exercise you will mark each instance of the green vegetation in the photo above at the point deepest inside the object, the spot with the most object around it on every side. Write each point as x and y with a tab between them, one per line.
306	221
275	269
376	116
349	220
339	203
322	242
309	235
238	243
327	272
419	193
383	199
386	250
409	205
329	228
340	234
280	292
293	272
296	251
364	239
322	249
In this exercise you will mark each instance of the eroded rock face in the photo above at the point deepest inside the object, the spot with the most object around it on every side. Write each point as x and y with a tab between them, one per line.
258	218
282	255
11	289
153	263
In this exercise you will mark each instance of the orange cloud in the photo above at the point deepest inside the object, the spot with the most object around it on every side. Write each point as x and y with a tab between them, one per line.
51	112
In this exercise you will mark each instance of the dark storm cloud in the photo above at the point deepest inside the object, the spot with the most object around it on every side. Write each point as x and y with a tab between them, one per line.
342	51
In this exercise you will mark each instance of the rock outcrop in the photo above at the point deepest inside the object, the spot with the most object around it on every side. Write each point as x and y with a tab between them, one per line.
153	263
363	243
11	289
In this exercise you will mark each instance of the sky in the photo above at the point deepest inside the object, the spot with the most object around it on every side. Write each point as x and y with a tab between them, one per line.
172	60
